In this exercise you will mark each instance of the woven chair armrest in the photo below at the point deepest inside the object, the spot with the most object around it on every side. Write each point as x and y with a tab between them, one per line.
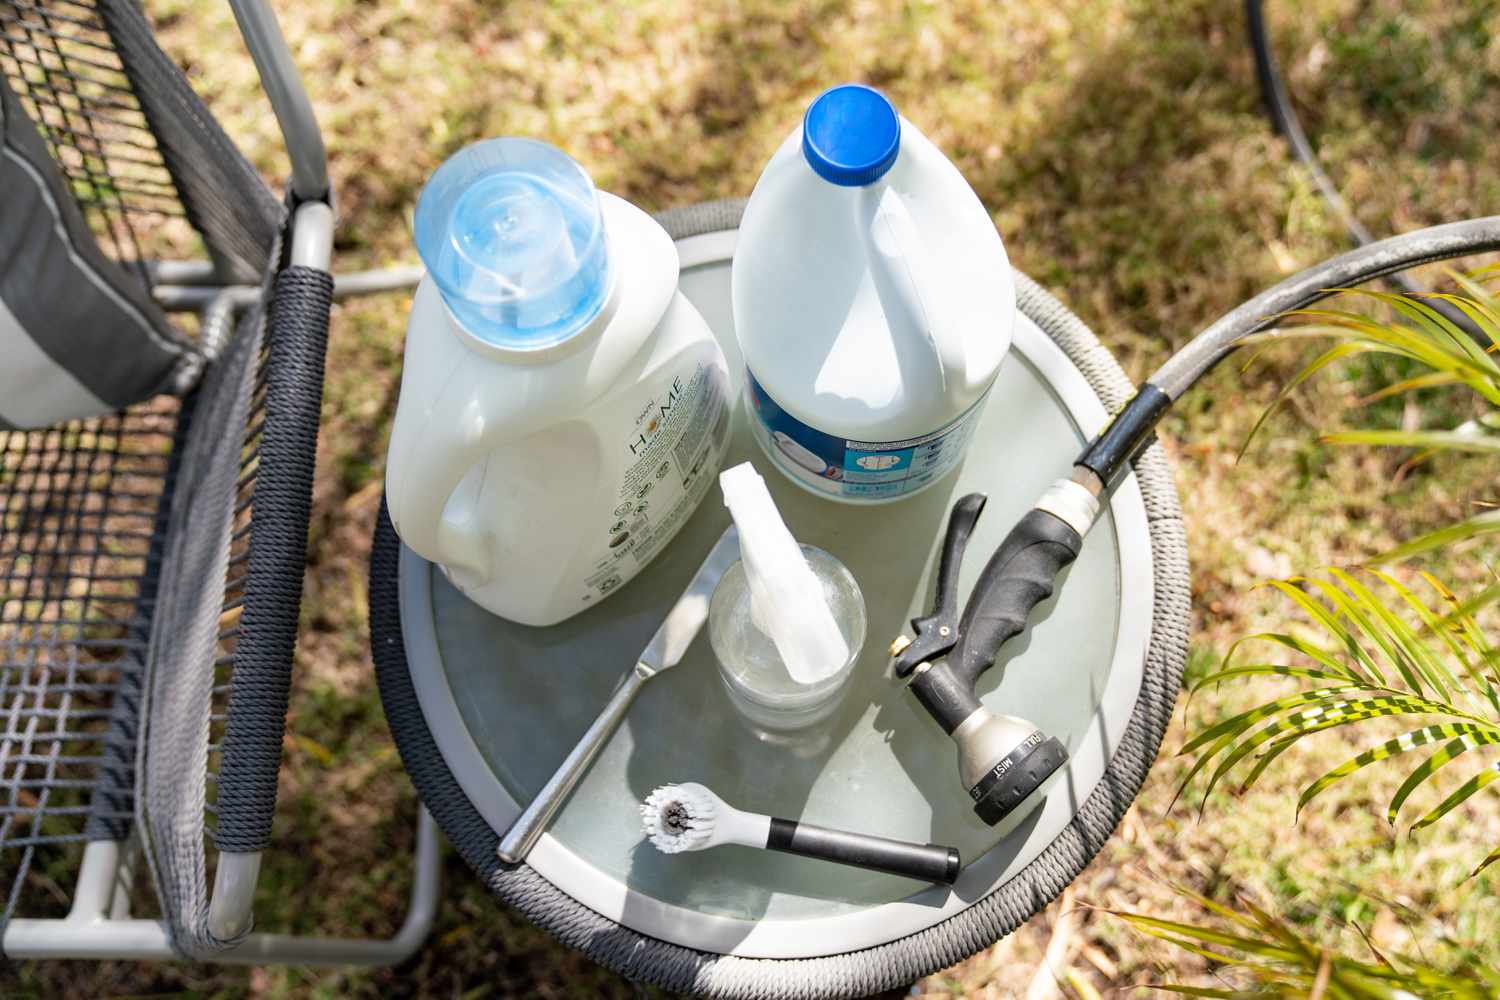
297	335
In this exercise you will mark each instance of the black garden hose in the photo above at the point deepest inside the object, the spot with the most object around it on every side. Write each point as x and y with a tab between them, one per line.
1020	573
1108	454
1284	118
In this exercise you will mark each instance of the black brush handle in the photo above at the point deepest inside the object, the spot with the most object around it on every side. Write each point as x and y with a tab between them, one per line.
927	862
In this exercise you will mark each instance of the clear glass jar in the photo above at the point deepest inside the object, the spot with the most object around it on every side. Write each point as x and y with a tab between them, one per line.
750	667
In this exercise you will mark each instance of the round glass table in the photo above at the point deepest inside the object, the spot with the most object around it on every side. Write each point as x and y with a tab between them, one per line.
483	710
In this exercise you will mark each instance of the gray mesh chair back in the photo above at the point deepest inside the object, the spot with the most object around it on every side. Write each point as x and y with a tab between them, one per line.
151	168
151	561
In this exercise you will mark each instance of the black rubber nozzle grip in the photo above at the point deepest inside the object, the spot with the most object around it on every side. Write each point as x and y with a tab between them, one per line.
1018	577
927	862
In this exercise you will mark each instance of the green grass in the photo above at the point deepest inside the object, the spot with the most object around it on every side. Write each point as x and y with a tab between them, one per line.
1123	154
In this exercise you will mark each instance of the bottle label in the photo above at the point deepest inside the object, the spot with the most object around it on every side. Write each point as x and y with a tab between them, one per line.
673	448
859	470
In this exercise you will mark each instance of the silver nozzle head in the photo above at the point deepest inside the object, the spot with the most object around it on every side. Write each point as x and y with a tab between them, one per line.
1005	762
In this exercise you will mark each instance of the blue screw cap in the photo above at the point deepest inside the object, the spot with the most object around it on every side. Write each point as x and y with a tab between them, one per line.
512	232
851	135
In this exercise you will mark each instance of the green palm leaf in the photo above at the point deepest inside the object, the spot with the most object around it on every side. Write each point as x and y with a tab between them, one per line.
1432	380
1434	323
1336	353
1312	651
1268	957
1283	735
1384	751
1435	440
1305	723
1278	669
1351	608
1481	312
1478	526
1445	631
1375	647
1417	333
1192	935
1460	745
1425	346
1243	721
1461	618
1334	627
1463	611
1437	668
1223	735
1476	301
1459	796
1388	632
1397	339
1413	651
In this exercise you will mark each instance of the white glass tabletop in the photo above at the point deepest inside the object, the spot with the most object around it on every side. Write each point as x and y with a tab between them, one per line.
506	702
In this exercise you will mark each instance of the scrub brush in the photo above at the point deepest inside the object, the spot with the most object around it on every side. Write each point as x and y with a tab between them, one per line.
689	817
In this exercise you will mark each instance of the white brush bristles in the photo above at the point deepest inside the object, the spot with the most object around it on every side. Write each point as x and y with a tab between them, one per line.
679	818
689	817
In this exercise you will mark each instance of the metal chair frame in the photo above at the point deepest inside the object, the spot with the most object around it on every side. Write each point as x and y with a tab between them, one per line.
99	924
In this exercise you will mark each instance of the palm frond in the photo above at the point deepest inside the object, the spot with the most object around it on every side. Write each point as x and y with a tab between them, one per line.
1330	622
1264	956
1326	657
1336	353
1431	380
1367	661
1447	629
1463	610
1390	748
1459	796
1204	991
1466	738
1416	658
1415	333
1478	526
1488	444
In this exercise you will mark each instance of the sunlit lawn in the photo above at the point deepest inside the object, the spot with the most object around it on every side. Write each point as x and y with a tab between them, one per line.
1123	153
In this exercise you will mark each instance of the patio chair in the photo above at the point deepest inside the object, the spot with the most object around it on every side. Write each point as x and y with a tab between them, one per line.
152	554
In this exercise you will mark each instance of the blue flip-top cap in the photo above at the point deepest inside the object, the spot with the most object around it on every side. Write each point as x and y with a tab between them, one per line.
851	135
512	232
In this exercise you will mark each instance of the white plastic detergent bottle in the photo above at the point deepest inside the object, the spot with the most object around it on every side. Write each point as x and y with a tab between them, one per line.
563	407
873	303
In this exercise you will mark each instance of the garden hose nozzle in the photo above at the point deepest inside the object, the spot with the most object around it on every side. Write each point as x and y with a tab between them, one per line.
1005	763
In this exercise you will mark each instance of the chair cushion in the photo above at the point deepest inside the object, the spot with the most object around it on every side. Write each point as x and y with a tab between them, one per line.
79	335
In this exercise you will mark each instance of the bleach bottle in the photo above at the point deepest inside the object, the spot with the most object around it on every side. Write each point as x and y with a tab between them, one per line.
563	407
873	303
